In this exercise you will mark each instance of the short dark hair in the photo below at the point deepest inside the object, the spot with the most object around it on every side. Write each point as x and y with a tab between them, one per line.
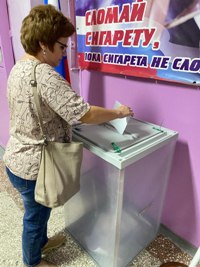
44	24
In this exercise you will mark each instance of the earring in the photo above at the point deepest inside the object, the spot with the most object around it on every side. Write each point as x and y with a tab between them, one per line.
44	52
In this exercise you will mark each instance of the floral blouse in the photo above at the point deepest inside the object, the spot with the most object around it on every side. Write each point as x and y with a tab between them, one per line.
60	105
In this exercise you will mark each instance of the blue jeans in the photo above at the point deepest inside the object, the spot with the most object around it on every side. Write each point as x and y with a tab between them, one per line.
36	216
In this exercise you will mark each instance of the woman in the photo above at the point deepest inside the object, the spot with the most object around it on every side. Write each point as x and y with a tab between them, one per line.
44	36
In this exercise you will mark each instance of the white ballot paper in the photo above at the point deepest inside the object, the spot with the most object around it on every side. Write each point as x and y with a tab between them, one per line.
119	124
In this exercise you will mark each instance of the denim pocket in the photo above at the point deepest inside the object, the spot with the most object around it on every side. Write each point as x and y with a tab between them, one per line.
19	183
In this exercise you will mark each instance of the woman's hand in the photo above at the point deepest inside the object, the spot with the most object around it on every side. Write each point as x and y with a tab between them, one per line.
125	111
97	115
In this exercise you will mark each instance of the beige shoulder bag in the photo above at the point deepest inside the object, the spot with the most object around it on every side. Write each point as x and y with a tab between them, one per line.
59	173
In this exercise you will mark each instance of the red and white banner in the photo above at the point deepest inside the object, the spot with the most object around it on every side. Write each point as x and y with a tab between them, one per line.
152	39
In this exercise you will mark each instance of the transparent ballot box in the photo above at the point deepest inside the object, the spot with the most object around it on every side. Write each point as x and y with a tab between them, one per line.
117	211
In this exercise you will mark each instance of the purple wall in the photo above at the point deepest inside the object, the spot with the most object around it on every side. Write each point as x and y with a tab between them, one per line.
6	64
176	107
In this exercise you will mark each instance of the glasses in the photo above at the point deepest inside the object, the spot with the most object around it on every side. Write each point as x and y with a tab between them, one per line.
63	46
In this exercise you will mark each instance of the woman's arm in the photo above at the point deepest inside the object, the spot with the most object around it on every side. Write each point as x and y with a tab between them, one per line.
97	115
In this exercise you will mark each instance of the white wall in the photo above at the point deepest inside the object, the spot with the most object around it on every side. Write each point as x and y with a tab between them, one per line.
19	9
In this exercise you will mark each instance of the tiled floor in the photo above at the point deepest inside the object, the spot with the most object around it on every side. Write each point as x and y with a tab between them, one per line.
161	250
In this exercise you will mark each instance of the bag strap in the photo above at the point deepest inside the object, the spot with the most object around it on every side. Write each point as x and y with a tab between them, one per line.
33	83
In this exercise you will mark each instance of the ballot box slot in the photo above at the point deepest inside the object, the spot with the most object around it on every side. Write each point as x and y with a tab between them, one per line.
104	135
